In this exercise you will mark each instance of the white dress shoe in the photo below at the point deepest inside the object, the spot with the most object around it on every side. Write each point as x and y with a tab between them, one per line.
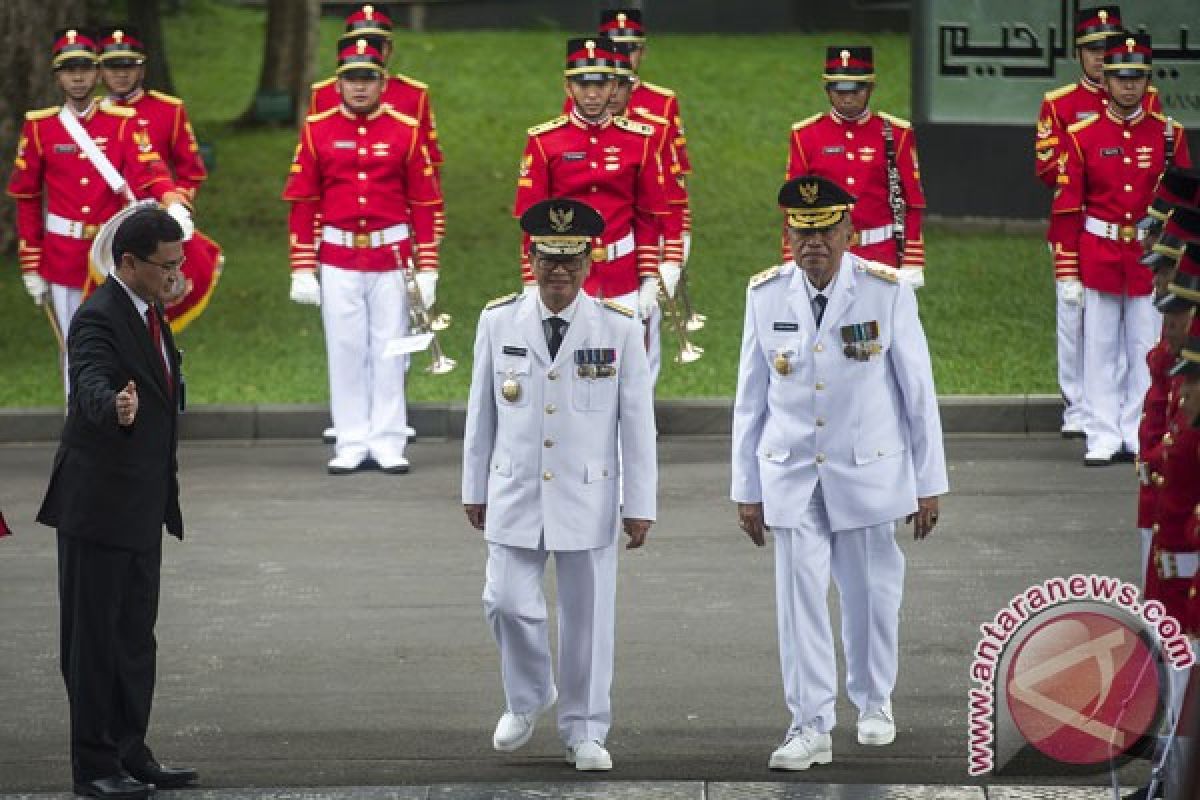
514	730
391	463
1098	458
802	750
329	435
346	463
589	756
877	727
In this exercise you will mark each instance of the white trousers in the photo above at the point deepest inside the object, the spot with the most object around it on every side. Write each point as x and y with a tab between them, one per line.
1145	539
868	568
516	611
1116	328
65	302
652	337
361	312
1069	326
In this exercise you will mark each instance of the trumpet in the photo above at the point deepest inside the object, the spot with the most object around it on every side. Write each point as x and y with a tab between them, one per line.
695	321
419	319
674	310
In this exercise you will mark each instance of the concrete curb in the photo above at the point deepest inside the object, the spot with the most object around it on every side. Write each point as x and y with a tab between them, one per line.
988	414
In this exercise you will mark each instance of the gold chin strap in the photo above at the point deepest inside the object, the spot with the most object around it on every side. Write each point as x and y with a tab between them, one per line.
812	219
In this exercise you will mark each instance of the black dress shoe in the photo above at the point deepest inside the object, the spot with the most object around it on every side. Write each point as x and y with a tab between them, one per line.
1144	793
1125	457
116	787
163	777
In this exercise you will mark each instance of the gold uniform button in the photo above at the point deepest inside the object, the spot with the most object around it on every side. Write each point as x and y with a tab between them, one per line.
820	458
1126	134
83	155
362	201
84	181
552	374
849	134
1127	160
1192	593
548	443
86	209
1128	215
1128	188
362	151
550	409
850	155
820	385
361	130
593	140
820	348
362	223
547	475
594	189
362	176
1154	528
850	180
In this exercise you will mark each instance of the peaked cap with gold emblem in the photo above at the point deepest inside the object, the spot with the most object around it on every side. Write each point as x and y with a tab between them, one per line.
812	202
561	226
848	68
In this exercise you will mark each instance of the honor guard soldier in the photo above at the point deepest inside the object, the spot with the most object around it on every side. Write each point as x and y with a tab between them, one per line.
1106	182
836	436
1061	108
872	156
1161	247
612	164
407	95
362	166
163	121
559	454
76	165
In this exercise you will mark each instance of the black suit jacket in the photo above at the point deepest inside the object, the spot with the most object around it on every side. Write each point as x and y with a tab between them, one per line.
113	485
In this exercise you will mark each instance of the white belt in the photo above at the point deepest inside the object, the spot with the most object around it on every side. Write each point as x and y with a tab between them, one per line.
611	252
876	235
71	227
1171	566
341	238
1111	230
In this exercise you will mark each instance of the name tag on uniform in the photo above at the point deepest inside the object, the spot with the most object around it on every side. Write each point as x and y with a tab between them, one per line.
342	144
833	149
786	326
511	350
65	148
574	156
1111	151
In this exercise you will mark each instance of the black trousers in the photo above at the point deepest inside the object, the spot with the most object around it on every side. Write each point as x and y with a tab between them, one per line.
108	600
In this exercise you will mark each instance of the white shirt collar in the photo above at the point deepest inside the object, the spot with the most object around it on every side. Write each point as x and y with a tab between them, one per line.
567	313
138	303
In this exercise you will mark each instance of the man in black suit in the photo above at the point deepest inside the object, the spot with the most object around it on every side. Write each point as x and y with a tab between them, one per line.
113	488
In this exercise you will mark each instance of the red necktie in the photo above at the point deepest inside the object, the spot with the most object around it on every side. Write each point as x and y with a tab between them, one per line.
156	337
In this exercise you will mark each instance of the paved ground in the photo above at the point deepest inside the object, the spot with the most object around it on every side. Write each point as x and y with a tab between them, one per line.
320	631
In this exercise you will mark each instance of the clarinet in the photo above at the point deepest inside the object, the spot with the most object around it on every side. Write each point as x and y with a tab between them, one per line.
895	190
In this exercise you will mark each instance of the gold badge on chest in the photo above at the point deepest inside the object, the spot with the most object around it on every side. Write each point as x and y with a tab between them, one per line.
783	364
510	390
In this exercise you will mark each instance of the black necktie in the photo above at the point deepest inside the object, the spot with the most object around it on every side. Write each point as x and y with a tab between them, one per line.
819	301
555	328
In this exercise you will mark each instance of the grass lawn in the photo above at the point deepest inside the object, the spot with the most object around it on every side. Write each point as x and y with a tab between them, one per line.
988	308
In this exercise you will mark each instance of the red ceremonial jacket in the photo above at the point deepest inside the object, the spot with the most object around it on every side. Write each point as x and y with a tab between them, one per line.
51	169
1161	398
1062	108
165	119
362	173
615	167
1179	492
852	153
1110	172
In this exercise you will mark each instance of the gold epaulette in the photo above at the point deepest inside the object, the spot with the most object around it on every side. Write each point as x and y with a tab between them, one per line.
324	83
617	307
1152	89
765	276
655	118
1061	91
804	123
117	111
654	87
42	113
412	82
881	271
1077	126
897	121
166	98
627	124
405	118
502	301
557	122
320	115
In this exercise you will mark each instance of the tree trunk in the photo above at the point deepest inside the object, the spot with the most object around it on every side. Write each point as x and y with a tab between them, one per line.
289	55
26	81
144	15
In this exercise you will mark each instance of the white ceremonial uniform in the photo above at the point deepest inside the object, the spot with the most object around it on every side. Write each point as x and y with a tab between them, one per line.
836	450
545	462
1069	332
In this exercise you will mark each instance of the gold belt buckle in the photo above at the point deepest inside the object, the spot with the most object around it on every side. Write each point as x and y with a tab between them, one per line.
362	240
90	231
600	253
1127	233
1167	568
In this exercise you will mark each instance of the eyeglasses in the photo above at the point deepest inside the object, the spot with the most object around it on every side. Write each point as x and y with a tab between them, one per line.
547	265
170	267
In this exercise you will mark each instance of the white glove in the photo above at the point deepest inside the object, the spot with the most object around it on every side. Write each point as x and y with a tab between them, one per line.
1071	292
427	283
911	276
530	289
648	297
670	272
179	212
305	289
36	286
